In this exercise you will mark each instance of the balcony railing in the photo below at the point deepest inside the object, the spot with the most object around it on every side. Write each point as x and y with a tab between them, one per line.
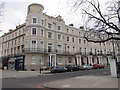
12	55
41	50
89	53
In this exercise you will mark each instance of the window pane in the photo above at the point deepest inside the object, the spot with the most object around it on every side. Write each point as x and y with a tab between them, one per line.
67	38
59	28
73	39
42	22
70	60
49	35
59	37
49	25
34	20
42	32
79	40
33	31
59	60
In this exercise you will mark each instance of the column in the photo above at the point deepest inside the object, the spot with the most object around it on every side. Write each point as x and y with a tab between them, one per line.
99	59
77	60
50	60
80	60
55	60
90	60
95	61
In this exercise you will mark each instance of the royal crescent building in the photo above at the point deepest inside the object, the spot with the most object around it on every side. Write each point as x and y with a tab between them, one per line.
45	41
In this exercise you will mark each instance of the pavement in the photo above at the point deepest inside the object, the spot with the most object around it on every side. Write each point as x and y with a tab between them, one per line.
88	81
21	74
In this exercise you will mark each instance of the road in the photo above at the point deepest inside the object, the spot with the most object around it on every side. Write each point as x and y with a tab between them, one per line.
36	82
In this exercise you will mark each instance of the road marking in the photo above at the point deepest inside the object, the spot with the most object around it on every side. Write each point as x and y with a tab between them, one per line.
77	77
65	86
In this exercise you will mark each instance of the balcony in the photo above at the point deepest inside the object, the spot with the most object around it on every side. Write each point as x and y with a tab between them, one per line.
35	50
47	51
90	53
65	52
12	55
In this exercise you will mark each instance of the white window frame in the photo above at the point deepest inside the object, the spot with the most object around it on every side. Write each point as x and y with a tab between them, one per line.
79	40
70	58
57	36
60	27
40	44
32	29
59	48
59	60
74	49
69	39
42	59
32	20
73	39
43	32
41	21
31	43
33	60
51	36
48	25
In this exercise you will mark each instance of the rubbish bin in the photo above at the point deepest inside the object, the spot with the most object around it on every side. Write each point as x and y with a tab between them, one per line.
118	69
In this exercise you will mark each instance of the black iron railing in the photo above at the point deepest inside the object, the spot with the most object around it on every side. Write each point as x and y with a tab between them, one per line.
41	50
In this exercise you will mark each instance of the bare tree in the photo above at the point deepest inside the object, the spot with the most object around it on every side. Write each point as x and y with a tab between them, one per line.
101	21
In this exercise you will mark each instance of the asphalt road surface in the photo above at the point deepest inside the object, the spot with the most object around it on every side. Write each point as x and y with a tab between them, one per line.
37	82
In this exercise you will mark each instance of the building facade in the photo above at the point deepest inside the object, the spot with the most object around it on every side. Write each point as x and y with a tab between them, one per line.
45	41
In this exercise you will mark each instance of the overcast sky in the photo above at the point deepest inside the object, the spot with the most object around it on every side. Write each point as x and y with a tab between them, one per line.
15	12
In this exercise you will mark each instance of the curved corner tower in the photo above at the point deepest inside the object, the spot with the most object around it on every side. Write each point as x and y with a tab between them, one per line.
35	9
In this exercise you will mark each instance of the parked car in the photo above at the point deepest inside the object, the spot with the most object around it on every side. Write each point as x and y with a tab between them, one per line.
58	69
72	68
88	67
96	66
81	68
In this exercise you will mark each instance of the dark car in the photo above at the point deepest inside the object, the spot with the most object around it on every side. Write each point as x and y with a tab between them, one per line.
72	68
96	66
58	69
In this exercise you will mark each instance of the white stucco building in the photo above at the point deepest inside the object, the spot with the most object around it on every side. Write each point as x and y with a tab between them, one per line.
45	40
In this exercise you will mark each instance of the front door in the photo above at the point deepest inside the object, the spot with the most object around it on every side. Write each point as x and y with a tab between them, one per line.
97	60
75	61
82	61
